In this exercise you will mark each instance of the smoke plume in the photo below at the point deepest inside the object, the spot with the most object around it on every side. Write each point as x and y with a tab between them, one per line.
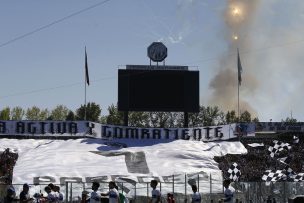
237	17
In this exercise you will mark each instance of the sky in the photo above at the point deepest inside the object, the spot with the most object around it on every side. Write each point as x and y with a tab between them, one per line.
42	47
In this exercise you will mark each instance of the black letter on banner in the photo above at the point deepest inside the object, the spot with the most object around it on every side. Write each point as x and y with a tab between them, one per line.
44	180
20	127
185	134
30	128
90	126
167	133
144	132
104	131
120	134
176	134
217	132
207	136
134	132
156	132
96	179
42	128
52	128
199	133
141	178
2	127
70	179
73	128
61	127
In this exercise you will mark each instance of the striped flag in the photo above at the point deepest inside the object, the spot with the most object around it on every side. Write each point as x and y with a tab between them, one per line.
240	69
86	68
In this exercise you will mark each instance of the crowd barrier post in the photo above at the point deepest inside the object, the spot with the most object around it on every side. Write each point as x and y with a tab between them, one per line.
185	186
147	190
284	194
66	191
198	182
71	192
173	183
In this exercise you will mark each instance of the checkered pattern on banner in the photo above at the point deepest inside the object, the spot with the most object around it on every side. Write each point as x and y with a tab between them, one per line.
235	172
278	146
289	172
285	160
272	176
298	177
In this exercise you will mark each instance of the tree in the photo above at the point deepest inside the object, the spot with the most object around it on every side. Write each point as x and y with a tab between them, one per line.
159	119
70	116
93	111
34	113
17	113
210	115
5	114
256	120
115	117
245	117
59	113
290	120
139	119
231	117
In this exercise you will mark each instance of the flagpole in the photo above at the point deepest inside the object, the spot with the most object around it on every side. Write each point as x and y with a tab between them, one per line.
238	101
85	99
85	86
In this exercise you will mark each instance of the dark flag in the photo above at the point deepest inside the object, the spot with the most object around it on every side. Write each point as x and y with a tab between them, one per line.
86	68
240	69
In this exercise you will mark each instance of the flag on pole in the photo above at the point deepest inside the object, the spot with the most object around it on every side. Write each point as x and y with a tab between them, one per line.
240	69
86	68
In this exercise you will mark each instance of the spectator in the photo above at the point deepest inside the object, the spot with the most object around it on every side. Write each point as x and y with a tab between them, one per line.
24	195
196	196
10	195
50	196
59	195
156	195
95	196
228	192
113	193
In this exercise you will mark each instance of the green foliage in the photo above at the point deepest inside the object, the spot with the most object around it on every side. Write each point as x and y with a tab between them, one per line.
115	117
290	120
17	113
93	111
245	117
70	116
231	117
139	119
34	113
5	114
256	120
59	113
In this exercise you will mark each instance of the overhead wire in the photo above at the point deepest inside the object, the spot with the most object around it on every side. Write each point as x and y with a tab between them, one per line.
52	23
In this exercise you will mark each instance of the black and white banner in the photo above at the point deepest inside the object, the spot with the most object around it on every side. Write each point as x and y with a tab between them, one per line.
97	130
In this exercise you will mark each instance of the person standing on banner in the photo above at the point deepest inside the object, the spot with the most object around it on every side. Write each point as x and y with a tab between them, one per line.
228	192
196	196
156	195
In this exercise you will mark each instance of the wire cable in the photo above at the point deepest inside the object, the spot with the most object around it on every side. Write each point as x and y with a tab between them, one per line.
52	23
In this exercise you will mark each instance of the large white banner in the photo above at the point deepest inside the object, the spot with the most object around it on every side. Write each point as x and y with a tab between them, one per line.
97	130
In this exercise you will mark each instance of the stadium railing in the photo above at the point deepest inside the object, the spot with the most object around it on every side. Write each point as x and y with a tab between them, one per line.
211	190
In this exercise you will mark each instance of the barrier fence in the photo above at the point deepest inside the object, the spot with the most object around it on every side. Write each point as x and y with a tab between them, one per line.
211	190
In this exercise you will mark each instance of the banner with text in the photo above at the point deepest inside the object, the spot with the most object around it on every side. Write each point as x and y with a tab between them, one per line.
97	130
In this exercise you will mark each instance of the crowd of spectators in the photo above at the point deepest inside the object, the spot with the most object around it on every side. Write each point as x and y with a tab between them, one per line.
7	162
258	159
